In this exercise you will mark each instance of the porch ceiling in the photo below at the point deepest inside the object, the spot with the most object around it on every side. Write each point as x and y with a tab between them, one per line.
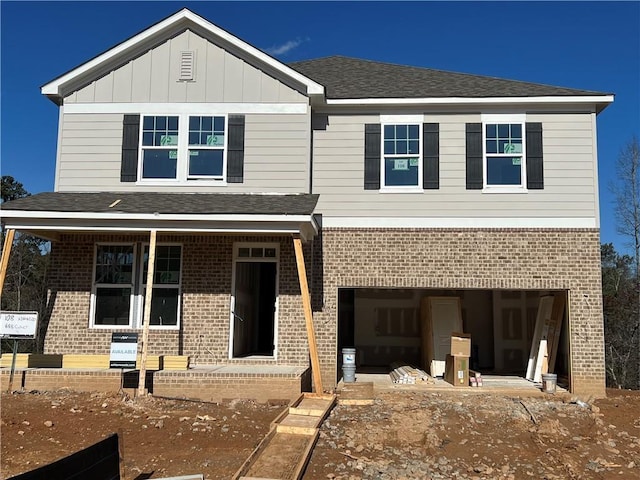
47	214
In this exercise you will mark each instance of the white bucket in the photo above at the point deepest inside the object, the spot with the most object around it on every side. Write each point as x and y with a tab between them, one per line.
549	382
348	356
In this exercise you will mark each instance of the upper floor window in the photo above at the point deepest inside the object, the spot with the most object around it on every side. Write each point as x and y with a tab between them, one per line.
402	152
160	147
183	147
504	156
504	149
206	147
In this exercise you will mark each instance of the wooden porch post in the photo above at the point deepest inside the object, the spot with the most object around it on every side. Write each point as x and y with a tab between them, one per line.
6	250
147	312
308	314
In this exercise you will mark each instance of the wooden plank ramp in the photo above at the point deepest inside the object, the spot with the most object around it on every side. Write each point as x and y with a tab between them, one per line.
283	454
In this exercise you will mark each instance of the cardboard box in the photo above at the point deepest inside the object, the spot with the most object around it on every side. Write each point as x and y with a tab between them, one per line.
461	344
456	371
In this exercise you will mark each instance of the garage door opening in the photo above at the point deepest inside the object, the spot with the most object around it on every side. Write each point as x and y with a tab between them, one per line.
387	326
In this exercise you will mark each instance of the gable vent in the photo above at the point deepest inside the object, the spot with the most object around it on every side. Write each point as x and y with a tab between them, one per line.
187	62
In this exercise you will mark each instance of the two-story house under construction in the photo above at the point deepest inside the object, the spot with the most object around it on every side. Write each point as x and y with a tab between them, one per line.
392	184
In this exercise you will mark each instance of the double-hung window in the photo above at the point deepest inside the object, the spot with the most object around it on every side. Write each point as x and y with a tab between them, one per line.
120	276
183	148
113	285
160	147
206	147
165	299
504	152
402	151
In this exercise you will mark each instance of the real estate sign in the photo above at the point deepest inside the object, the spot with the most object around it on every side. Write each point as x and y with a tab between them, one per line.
18	325
124	350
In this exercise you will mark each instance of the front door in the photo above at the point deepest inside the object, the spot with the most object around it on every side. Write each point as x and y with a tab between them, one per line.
253	304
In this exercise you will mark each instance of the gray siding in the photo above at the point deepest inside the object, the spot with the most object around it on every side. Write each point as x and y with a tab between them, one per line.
569	190
276	155
219	77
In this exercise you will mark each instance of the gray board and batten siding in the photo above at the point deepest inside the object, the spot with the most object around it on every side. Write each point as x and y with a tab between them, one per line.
219	76
570	176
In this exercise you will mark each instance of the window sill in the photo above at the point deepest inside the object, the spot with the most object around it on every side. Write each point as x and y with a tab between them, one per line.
504	190
185	183
401	190
132	329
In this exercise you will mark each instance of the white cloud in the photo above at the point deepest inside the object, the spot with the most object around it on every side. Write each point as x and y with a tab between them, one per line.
285	47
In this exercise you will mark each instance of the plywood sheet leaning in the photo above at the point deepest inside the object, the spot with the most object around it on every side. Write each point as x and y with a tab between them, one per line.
546	335
557	317
440	317
284	453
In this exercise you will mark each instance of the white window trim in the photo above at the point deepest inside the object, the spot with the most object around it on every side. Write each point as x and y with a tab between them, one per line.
137	289
94	288
497	118
232	302
401	120
182	162
142	282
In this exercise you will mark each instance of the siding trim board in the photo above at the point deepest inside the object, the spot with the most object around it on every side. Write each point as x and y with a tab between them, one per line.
459	222
162	108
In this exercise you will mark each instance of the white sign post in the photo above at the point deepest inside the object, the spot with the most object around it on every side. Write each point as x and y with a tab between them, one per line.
17	326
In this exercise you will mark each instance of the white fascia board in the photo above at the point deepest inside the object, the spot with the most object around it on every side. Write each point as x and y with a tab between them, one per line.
154	216
303	225
463	222
53	87
471	101
193	108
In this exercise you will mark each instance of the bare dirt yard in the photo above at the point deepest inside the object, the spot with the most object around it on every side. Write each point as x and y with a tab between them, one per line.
403	435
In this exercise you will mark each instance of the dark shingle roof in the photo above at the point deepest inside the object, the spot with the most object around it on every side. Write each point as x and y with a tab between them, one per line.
167	203
345	77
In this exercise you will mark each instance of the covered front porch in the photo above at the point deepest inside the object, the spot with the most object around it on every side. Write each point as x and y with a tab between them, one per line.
218	278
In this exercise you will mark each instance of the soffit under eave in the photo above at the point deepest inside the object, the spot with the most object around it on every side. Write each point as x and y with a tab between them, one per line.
53	229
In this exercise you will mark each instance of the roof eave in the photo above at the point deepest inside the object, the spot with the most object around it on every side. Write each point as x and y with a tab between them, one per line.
47	222
601	101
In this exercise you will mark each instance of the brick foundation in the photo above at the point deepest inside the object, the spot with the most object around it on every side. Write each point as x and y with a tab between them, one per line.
208	386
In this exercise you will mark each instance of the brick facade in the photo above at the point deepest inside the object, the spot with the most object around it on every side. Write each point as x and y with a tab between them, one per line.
518	259
206	292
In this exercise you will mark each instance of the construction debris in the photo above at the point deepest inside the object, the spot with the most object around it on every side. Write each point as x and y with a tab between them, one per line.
475	378
408	375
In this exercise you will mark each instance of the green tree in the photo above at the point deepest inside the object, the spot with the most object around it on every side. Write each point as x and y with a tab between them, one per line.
25	281
11	189
627	196
620	311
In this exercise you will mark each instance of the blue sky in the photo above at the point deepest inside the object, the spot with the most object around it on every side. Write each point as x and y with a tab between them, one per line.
584	45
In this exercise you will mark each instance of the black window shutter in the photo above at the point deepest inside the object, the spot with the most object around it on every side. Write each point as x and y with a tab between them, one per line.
235	149
372	139
130	145
431	156
535	170
474	156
